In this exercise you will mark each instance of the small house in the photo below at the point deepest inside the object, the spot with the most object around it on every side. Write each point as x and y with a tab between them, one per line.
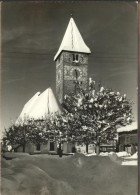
128	138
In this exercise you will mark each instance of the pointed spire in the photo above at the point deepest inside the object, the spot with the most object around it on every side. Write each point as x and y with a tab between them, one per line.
72	40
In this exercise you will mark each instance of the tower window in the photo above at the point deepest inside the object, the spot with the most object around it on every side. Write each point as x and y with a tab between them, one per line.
75	57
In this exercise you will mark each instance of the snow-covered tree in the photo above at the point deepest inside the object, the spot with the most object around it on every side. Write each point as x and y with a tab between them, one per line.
29	132
97	112
89	116
16	136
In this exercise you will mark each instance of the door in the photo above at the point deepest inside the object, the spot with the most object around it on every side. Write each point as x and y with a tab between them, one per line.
38	147
51	146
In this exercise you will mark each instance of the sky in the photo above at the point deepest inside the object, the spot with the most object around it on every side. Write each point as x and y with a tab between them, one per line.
32	33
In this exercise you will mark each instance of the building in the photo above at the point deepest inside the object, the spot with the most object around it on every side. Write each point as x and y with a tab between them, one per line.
38	108
71	62
108	147
71	70
128	138
49	148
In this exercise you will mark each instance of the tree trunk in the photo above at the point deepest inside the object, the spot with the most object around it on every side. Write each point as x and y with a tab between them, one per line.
98	145
87	148
98	149
16	148
24	138
60	150
117	147
23	147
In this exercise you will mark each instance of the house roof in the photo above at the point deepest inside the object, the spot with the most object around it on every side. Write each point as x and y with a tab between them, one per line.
72	40
133	126
40	106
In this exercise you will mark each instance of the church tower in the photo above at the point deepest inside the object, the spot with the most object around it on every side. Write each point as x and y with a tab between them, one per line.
71	62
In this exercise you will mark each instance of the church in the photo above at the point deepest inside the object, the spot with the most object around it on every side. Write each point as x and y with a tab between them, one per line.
71	68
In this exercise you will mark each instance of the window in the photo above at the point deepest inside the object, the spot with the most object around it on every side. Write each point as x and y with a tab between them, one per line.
104	149
75	57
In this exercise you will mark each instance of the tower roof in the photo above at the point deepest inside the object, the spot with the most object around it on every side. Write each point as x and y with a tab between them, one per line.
72	40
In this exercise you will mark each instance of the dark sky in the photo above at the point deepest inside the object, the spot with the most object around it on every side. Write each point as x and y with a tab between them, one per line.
32	33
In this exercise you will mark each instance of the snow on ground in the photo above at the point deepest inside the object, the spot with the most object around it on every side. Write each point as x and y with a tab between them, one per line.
77	174
101	154
93	154
121	154
134	156
131	160
130	163
104	154
122	158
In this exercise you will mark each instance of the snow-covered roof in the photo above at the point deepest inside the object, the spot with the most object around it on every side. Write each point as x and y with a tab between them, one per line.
27	107
133	126
40	106
72	40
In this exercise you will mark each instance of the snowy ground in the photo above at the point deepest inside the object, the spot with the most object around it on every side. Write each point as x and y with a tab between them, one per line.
70	175
125	158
